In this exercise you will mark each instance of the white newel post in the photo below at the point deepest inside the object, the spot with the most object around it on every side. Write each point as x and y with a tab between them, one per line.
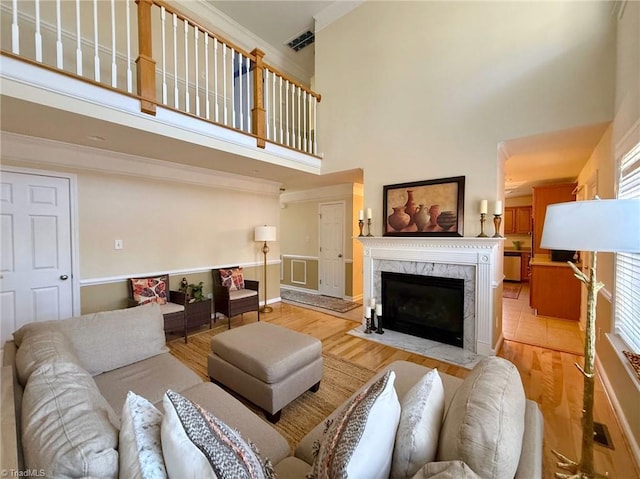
458	257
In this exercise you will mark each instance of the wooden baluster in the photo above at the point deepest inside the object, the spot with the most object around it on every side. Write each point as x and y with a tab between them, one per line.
163	41
38	36
15	29
215	79
233	88
129	72
206	77
96	58
315	126
78	41
187	100
59	52
267	111
224	83
304	121
240	105
273	107
196	62
286	111
145	62
258	113
176	92
247	64
299	132
114	67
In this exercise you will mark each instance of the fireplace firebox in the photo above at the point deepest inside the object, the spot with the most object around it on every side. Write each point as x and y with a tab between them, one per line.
426	306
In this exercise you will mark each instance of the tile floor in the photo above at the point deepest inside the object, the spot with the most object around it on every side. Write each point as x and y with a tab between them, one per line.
519	323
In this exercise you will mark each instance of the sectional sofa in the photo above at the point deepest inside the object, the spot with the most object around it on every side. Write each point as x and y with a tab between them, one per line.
80	386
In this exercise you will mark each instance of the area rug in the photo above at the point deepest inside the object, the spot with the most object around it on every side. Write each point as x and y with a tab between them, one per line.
326	302
511	290
340	379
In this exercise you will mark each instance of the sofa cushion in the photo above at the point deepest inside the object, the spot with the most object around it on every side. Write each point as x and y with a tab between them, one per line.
232	278
150	290
40	348
447	470
368	423
421	415
140	447
198	444
66	427
110	339
484	424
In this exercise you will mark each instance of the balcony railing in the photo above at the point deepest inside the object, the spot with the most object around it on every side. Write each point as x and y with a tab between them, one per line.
149	50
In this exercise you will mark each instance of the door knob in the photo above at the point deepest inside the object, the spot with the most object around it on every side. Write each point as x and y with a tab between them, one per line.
340	256
64	277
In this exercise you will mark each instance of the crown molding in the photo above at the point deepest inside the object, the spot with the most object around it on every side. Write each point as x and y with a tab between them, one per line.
333	12
221	23
56	154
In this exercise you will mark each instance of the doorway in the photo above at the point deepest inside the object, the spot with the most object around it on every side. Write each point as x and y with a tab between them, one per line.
331	246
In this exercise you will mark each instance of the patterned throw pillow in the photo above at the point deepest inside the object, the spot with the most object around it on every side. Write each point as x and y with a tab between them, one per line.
359	442
232	278
150	290
140	449
195	443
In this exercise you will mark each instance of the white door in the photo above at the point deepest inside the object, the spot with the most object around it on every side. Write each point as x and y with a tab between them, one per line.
331	266
35	258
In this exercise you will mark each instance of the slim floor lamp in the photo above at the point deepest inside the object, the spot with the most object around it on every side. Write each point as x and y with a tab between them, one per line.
598	225
265	234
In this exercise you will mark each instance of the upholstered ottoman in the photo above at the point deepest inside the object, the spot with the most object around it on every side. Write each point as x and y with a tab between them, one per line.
267	364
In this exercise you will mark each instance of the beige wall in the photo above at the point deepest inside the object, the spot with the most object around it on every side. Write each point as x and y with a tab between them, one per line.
421	90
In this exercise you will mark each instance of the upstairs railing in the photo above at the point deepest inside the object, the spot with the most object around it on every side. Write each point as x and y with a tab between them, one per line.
174	61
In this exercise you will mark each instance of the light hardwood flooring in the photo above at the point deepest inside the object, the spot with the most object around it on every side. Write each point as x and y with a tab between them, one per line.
549	378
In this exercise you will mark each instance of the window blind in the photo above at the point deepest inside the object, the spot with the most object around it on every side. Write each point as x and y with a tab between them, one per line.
627	273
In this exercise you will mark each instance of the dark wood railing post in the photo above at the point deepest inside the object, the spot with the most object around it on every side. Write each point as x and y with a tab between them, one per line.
258	113
146	64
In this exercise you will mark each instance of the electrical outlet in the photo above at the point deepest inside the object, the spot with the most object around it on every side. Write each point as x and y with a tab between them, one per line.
210	295
118	244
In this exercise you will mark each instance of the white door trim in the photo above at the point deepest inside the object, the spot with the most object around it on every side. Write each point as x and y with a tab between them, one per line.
320	262
73	205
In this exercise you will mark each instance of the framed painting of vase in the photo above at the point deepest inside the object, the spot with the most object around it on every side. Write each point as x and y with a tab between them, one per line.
424	208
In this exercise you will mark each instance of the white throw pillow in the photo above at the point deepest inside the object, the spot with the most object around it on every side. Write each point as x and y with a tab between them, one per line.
196	444
358	443
420	421
140	448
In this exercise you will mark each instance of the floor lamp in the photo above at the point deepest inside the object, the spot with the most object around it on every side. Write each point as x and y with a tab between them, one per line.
597	225
265	234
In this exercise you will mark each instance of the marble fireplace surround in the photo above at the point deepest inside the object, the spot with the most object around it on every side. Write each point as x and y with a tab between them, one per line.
476	260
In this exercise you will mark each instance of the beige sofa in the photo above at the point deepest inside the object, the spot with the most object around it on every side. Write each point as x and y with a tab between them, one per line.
125	350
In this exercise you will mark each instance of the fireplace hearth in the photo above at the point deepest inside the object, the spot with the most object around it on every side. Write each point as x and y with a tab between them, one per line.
429	307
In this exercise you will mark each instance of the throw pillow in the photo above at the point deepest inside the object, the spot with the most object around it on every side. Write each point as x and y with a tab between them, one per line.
150	290
484	424
421	415
195	443
232	278
140	448
358	443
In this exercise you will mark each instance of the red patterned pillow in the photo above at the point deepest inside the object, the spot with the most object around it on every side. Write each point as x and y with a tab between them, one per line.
150	290
232	278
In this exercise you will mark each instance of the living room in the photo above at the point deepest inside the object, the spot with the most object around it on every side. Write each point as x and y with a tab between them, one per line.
451	104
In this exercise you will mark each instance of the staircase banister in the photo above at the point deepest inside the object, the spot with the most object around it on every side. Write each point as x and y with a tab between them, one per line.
292	81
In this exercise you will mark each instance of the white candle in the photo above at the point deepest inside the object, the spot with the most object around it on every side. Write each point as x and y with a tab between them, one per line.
483	206
369	215
367	313
378	309
372	303
361	215
498	210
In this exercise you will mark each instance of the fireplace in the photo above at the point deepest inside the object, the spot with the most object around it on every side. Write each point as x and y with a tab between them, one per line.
430	307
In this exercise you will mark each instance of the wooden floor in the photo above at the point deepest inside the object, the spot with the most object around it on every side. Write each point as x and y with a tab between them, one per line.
549	378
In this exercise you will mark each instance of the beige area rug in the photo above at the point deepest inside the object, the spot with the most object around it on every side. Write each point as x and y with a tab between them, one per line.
511	290
340	380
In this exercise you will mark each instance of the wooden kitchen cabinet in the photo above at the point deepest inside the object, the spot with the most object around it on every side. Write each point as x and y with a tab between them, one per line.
544	196
524	267
554	291
517	220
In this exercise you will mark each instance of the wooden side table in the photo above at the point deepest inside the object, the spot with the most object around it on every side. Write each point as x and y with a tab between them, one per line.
198	314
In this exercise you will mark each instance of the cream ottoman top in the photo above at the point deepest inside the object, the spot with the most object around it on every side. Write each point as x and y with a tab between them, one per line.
266	351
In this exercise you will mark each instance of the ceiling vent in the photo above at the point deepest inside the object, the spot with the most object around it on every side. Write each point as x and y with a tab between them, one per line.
302	40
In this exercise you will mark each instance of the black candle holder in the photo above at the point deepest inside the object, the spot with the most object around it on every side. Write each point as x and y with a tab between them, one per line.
373	320
367	329
360	225
379	330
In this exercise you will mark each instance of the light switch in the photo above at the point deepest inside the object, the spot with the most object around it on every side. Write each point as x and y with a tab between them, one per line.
118	244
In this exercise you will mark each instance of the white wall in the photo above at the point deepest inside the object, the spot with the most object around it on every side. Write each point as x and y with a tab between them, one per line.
423	90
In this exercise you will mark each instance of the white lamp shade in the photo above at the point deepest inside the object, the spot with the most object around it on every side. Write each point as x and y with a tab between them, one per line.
597	225
265	233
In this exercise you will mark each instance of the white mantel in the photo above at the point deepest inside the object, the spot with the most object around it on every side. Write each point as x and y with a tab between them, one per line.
477	260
